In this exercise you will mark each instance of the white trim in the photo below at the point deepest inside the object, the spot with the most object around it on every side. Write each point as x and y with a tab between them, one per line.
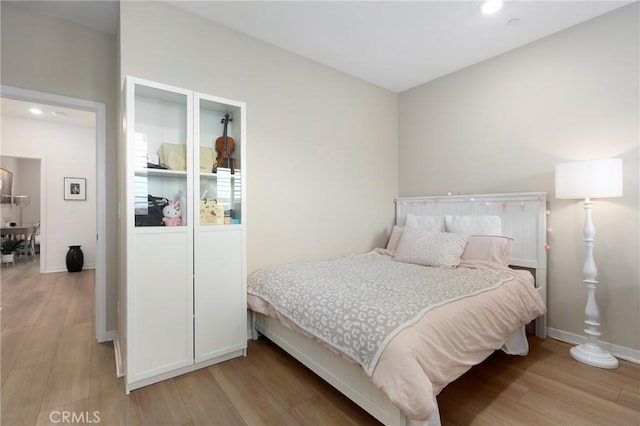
101	187
628	354
118	356
43	203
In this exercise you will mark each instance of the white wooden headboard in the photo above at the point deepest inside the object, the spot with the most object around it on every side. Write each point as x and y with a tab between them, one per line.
524	218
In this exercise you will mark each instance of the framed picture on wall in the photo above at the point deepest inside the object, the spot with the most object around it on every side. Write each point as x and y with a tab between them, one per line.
75	188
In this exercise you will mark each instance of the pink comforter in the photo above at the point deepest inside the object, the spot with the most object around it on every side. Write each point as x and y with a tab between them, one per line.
423	358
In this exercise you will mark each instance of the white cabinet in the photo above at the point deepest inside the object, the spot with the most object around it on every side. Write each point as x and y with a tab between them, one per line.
183	302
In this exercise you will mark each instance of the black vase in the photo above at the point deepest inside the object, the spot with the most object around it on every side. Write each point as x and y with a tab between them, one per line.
75	259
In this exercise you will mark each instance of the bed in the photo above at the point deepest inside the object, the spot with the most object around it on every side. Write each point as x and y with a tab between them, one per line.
399	359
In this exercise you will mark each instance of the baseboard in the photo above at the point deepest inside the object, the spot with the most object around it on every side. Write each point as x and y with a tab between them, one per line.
54	269
628	354
63	269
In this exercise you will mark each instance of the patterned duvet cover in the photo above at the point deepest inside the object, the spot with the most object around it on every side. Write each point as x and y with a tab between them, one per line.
412	328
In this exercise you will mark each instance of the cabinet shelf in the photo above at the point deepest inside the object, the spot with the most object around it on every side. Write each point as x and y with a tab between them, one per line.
237	174
179	173
160	172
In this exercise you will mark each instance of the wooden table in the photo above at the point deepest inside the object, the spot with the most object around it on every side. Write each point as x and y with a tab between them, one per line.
16	232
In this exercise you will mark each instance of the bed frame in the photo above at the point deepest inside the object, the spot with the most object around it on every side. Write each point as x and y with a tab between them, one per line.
523	218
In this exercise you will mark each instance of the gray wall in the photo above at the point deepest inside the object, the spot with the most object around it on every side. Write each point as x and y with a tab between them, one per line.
44	53
503	124
322	149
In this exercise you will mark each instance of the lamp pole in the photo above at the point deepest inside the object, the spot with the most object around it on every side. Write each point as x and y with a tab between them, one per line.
591	352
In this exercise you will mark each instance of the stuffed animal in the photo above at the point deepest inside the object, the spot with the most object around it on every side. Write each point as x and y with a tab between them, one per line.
172	214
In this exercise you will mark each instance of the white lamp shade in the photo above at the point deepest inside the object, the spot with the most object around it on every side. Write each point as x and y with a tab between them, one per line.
600	178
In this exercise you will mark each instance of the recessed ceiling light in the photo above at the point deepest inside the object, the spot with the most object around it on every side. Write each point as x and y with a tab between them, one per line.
491	6
36	111
59	113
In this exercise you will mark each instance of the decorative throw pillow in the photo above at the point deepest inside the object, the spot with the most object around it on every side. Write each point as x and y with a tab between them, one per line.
425	223
490	248
473	225
430	248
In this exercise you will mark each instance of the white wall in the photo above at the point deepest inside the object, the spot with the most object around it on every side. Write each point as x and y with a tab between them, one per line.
322	146
65	151
503	124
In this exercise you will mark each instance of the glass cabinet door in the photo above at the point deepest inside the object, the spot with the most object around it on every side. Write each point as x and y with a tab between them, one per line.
220	162
161	137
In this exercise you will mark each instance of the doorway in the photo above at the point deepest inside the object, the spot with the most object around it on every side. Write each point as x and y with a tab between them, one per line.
99	109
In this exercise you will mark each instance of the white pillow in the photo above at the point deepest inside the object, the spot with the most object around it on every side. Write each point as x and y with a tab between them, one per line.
474	225
430	248
426	223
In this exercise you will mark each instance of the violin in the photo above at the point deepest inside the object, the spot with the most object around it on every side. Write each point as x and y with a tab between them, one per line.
225	146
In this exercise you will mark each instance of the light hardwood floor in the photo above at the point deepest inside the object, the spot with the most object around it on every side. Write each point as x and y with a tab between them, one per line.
52	367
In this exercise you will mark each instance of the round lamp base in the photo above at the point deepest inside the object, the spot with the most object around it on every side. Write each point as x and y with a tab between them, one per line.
594	356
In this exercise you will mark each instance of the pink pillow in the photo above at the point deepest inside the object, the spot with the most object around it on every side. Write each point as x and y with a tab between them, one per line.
490	248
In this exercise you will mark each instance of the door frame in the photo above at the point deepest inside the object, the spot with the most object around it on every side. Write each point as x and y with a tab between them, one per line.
99	109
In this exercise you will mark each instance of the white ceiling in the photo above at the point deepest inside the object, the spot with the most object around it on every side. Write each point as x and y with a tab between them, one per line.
50	113
393	44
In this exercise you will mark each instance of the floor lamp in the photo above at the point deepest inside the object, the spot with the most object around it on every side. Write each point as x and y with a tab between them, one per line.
20	201
600	178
